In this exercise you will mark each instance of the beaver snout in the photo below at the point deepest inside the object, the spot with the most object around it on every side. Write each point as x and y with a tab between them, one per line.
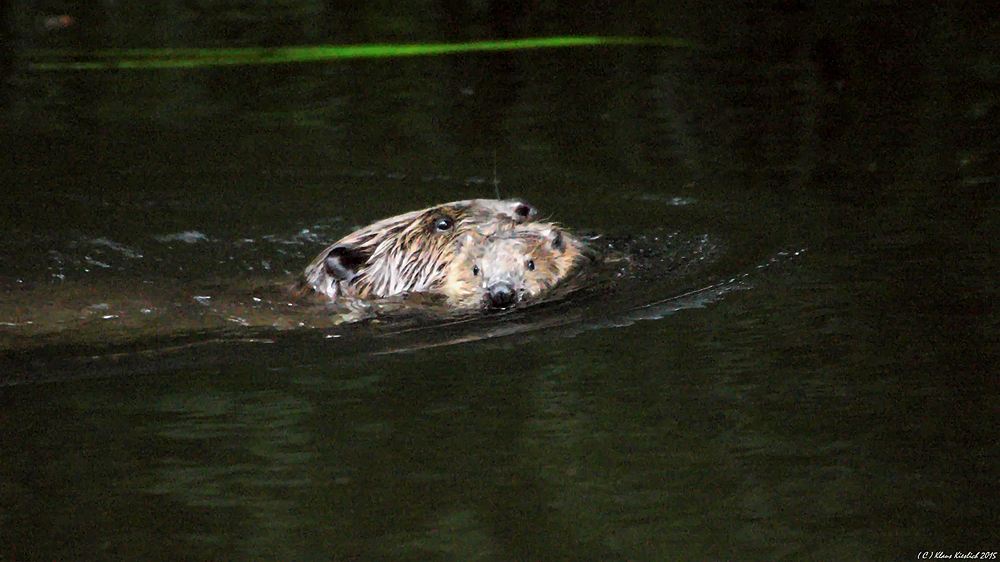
501	295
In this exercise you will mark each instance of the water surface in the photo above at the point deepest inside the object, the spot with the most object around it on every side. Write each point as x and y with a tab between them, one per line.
821	386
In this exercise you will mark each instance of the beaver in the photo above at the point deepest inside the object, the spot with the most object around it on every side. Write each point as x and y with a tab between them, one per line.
513	267
409	253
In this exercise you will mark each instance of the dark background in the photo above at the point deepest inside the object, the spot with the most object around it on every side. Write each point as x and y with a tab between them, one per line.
834	404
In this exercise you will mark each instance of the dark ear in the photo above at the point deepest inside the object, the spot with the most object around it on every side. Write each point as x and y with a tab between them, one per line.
524	212
557	240
343	262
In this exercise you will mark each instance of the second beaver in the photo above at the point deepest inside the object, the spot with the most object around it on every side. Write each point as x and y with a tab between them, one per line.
514	267
409	253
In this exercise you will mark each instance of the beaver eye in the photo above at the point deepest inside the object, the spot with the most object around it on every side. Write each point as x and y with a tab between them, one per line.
531	265
444	224
475	271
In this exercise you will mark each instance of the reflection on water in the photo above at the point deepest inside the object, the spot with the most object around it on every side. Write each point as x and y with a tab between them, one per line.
553	444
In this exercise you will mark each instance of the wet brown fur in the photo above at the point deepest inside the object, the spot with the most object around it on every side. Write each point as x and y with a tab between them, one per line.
410	253
529	261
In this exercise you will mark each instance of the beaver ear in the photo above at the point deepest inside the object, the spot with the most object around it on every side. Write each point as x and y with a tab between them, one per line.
524	212
557	240
342	262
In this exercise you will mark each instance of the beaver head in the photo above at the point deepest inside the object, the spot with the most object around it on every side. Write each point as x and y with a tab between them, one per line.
513	266
410	252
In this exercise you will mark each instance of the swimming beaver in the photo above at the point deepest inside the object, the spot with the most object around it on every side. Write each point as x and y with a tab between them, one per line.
513	266
410	253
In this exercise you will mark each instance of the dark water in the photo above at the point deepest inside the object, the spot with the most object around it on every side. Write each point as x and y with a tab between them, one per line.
817	382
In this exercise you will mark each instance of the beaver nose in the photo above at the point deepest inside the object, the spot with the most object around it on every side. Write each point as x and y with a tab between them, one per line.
501	295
